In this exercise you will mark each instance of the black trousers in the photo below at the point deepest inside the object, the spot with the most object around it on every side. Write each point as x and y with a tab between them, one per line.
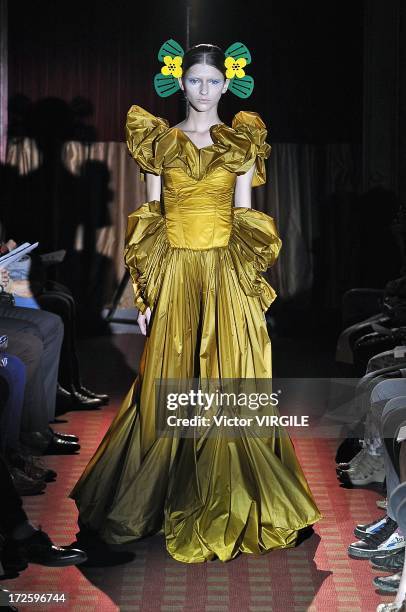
48	331
57	298
11	507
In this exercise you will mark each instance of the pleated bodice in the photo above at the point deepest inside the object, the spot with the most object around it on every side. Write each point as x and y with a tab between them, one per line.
198	184
198	213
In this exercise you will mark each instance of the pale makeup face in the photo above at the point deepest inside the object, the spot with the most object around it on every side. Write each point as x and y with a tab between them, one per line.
203	86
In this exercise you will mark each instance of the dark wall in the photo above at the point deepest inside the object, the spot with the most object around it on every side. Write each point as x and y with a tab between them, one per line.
307	59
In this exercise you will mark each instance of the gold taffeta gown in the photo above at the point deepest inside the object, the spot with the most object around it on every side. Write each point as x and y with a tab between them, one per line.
196	261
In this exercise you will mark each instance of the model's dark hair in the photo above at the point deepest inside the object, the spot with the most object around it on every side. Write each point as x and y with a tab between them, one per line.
204	54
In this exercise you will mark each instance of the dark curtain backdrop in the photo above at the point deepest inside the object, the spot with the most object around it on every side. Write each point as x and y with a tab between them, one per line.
307	59
75	69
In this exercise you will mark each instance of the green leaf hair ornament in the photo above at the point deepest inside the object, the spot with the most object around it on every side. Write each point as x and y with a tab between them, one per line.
166	81
171	54
237	57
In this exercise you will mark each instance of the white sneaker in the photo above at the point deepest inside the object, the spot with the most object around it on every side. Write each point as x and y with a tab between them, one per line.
380	543
370	469
353	462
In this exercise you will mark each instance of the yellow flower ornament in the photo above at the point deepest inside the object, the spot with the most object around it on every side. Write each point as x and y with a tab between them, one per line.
172	66
235	67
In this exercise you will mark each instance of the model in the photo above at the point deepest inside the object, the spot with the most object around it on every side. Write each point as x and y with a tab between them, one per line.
196	251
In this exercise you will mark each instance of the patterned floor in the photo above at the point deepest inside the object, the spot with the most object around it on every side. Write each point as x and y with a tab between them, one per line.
316	576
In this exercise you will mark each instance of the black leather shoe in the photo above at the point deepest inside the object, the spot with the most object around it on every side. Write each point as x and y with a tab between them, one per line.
39	549
31	466
57	446
62	393
26	485
72	399
63	436
82	401
103	397
99	554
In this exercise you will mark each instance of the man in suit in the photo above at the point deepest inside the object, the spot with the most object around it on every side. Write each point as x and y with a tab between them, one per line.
35	336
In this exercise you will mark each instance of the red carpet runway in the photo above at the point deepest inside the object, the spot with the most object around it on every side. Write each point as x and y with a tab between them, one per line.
316	576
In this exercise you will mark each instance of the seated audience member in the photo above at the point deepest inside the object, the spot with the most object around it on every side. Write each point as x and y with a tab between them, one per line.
35	337
32	290
383	540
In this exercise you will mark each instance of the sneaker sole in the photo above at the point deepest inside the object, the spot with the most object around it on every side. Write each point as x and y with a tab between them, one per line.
361	554
345	479
367	554
344	467
384	568
381	565
386	588
363	483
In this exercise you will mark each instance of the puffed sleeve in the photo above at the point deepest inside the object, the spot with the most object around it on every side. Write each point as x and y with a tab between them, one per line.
145	253
142	130
250	125
254	247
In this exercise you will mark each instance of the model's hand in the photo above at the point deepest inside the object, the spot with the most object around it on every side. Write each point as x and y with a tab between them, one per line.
143	321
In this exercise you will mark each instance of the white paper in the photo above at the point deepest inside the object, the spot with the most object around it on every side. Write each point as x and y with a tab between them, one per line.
17	254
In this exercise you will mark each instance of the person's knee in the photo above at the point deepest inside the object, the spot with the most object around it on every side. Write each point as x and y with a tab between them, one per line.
387	389
27	347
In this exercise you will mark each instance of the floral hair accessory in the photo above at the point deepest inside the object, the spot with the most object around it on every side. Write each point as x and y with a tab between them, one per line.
166	81
171	54
237	57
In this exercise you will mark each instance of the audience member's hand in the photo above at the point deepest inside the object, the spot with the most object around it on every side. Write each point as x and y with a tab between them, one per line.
6	247
143	321
5	280
11	244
